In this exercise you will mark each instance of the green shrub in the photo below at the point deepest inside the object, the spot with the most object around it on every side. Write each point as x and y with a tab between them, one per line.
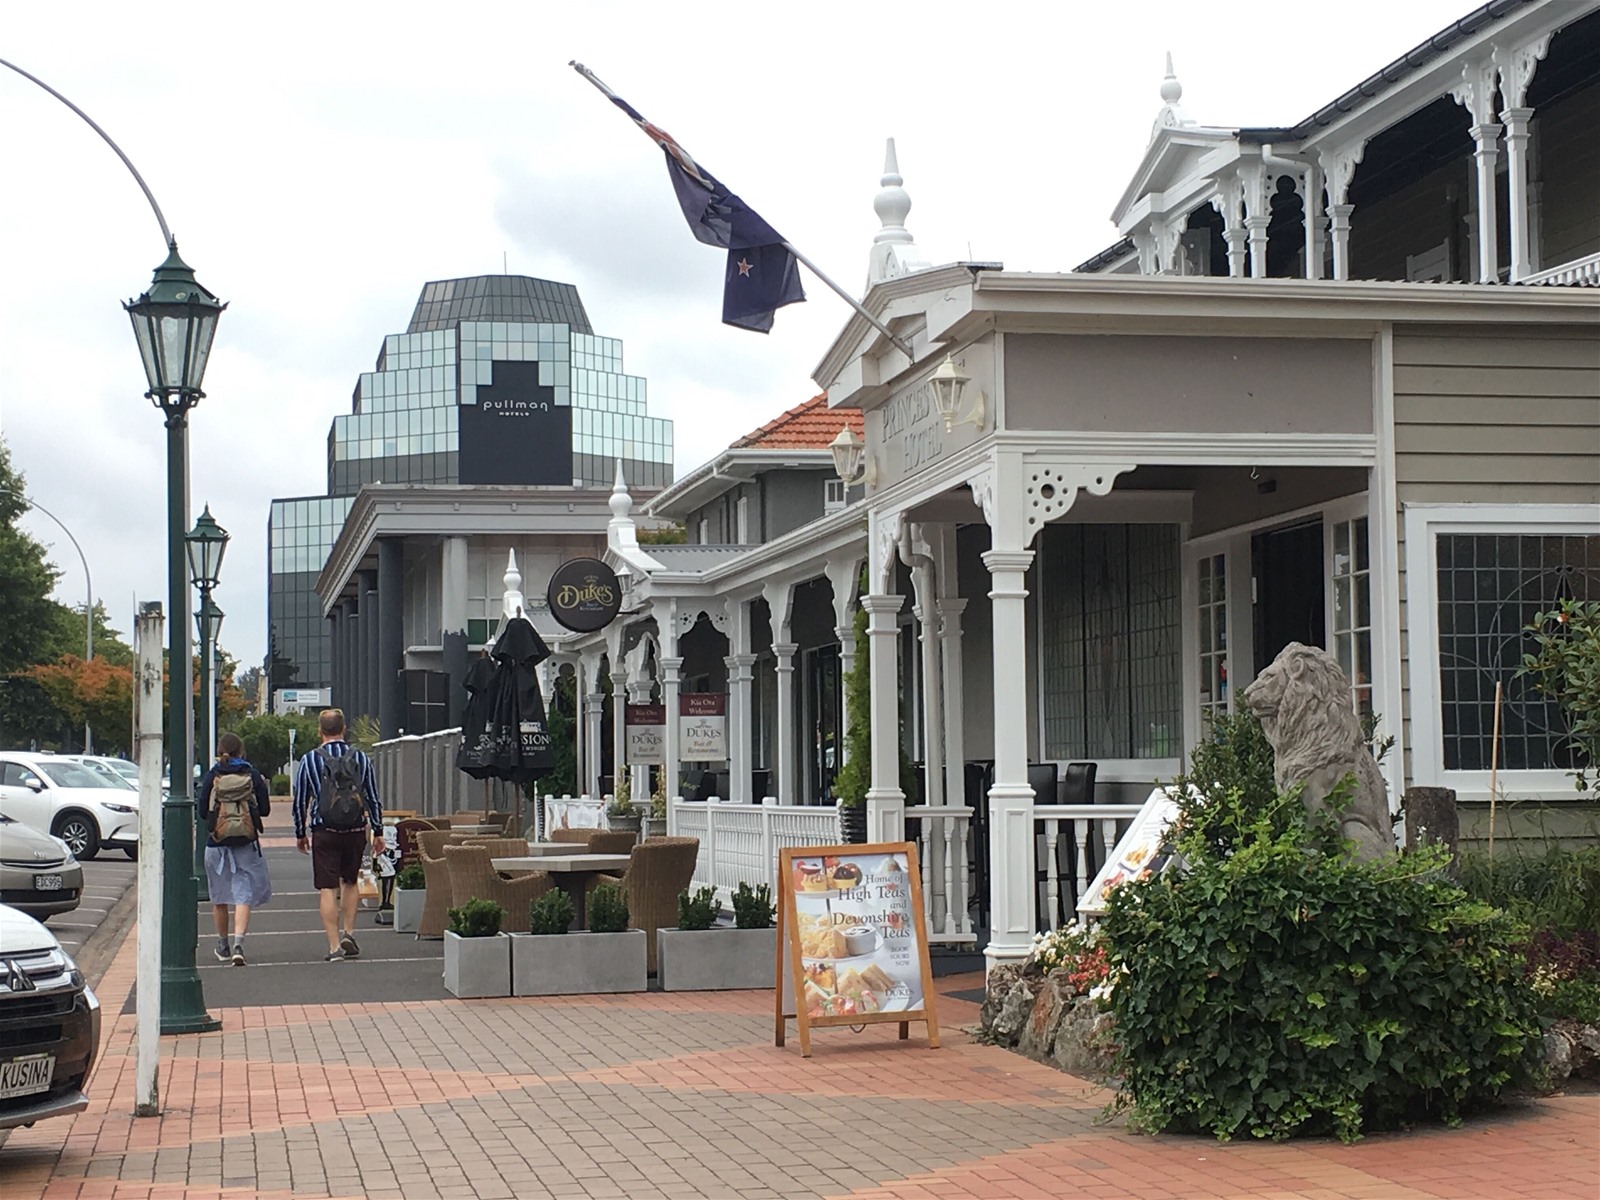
698	910
1567	670
1229	786
411	878
476	918
551	913
608	909
1557	891
752	907
278	785
1282	990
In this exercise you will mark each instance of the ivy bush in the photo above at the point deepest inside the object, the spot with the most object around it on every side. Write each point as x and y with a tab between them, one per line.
1278	989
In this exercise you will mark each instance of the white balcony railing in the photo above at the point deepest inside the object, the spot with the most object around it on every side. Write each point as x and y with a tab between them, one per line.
1579	271
944	848
740	842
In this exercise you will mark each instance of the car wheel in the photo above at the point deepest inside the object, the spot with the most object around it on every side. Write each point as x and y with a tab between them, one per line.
132	852
78	831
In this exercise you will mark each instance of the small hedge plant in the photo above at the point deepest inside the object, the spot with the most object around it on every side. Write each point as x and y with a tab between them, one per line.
476	918
279	785
411	877
551	913
752	907
608	909
699	909
1283	989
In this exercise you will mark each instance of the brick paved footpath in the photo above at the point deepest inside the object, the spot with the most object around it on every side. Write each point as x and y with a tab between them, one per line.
683	1095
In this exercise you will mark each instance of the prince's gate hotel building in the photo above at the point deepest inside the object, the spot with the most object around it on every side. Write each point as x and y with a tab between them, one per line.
494	423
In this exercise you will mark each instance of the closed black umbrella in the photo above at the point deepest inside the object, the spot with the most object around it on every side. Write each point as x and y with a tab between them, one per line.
504	734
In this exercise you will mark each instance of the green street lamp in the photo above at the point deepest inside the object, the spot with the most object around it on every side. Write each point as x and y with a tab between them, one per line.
208	623
174	323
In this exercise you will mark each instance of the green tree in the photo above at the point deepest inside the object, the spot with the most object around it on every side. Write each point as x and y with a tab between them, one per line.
27	614
67	636
266	738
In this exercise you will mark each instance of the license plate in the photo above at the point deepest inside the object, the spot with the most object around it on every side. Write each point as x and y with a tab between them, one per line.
47	883
27	1075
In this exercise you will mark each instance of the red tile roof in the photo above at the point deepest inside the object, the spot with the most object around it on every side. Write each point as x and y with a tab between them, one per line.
810	426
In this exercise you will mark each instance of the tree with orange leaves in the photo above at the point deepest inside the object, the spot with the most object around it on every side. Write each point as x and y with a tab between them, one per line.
96	692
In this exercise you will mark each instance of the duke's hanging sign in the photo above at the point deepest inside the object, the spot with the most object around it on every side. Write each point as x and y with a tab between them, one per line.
703	727
584	595
647	732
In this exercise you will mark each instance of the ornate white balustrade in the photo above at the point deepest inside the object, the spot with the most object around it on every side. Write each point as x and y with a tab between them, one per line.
1071	841
1579	270
740	842
944	849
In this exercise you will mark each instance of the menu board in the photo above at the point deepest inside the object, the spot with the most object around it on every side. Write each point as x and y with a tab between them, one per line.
851	944
1143	851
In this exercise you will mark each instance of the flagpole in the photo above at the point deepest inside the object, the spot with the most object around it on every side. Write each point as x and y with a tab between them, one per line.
894	339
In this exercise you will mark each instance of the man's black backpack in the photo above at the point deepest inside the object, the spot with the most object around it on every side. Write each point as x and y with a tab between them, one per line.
339	802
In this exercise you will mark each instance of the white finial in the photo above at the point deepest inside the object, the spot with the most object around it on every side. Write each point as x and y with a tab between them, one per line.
1171	115
892	246
512	604
1171	89
621	503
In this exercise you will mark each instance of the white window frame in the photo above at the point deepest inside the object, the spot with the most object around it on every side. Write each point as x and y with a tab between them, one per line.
1423	523
834	495
741	520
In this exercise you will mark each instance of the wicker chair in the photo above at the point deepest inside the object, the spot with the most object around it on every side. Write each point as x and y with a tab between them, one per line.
578	836
436	877
611	841
472	874
477	816
657	871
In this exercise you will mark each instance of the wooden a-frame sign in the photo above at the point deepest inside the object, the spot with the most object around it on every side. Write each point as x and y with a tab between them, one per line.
852	944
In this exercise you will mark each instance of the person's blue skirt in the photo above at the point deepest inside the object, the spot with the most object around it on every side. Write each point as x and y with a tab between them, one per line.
238	875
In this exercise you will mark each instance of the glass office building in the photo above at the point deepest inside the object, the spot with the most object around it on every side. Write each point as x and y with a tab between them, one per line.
498	379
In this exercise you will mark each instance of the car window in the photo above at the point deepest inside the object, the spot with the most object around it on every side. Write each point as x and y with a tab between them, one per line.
14	774
71	775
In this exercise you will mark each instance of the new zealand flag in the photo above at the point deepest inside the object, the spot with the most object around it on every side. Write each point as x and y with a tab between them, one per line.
762	274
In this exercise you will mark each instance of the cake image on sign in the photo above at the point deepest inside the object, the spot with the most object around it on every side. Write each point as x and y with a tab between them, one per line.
808	876
845	876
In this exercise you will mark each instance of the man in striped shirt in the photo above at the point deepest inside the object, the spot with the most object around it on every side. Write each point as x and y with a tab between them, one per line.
336	854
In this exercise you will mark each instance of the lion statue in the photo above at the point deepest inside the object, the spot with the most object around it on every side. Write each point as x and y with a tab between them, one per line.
1303	703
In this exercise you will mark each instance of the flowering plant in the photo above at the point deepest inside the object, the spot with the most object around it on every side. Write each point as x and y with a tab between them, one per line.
1076	949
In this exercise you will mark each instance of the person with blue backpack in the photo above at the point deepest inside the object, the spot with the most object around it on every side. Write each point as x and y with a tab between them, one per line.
336	808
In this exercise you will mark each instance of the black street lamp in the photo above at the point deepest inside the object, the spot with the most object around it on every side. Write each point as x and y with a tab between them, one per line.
174	322
207	542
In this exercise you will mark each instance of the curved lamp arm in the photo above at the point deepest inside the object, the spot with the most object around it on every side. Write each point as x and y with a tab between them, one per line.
166	234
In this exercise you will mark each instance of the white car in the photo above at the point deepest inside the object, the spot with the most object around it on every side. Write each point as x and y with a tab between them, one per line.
69	801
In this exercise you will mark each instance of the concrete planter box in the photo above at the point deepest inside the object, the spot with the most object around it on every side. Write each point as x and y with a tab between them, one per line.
576	964
708	960
408	904
477	967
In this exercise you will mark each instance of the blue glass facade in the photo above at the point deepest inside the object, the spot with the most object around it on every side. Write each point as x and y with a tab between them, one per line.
499	379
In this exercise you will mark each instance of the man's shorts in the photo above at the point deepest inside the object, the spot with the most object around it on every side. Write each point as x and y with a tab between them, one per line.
336	856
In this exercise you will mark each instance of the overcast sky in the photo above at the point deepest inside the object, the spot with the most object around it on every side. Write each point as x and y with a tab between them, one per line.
319	162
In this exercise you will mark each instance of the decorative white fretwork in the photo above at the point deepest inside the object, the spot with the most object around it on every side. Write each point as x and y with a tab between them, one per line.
1516	65
1049	489
887	530
688	617
1476	90
982	485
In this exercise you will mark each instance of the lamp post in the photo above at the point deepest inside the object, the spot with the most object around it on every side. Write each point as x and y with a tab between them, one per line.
88	609
208	621
174	322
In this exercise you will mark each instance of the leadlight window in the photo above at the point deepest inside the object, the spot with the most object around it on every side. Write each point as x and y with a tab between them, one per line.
1352	608
1213	634
1490	587
1111	641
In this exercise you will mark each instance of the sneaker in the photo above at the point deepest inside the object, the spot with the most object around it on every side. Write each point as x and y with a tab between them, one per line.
333	956
348	945
238	955
221	951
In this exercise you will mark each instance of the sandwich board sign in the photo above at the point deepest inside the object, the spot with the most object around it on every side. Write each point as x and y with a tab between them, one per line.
852	945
